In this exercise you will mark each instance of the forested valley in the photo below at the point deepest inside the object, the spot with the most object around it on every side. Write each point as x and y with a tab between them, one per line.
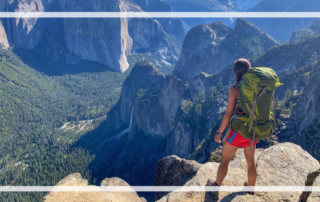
42	115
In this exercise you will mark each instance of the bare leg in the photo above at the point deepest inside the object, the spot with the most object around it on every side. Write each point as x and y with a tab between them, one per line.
252	169
227	153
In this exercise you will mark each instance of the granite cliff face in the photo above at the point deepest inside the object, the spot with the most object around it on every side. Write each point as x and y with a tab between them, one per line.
3	38
210	48
24	33
108	41
104	40
155	116
152	122
273	170
76	180
306	112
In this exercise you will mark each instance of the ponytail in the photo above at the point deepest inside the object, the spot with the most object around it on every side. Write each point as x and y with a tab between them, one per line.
239	76
240	68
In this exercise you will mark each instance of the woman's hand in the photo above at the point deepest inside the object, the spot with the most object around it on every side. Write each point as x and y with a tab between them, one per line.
217	137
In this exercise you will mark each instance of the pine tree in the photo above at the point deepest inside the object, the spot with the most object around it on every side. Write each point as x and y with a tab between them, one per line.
287	71
187	84
201	97
288	94
198	112
220	85
213	92
282	105
314	58
294	69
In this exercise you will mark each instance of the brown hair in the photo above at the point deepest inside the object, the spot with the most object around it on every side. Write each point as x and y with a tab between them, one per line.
240	67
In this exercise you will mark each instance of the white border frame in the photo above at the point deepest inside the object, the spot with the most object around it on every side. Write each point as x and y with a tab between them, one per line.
159	14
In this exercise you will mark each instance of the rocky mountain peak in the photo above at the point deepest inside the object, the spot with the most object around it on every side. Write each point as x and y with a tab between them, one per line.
315	26
200	50
245	26
211	47
221	30
145	79
247	40
144	68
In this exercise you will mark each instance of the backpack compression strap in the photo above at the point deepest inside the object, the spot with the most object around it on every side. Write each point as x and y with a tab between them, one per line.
256	96
274	116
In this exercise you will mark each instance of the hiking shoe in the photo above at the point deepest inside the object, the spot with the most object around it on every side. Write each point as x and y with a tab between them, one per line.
248	192
214	194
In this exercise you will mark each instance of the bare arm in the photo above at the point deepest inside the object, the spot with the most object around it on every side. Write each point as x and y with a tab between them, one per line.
233	95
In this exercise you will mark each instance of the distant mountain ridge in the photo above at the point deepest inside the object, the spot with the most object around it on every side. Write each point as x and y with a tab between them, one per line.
282	28
313	29
210	6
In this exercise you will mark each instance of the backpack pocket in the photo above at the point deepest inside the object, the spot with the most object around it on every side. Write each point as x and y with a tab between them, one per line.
263	130
239	124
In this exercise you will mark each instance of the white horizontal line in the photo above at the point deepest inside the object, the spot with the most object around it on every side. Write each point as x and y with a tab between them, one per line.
157	188
159	14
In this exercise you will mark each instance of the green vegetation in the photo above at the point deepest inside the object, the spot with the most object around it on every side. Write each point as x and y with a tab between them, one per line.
34	105
314	58
139	94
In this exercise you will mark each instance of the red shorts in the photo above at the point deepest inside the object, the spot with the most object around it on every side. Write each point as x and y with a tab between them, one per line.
235	139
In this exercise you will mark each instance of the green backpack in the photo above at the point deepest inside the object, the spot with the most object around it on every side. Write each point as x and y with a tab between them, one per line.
255	101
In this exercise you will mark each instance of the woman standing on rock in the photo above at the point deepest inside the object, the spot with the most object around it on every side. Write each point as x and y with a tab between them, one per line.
234	139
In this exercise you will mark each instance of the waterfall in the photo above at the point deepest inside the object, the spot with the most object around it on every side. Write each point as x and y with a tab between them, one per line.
123	131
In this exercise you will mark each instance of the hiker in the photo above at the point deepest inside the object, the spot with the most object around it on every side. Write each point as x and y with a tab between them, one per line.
246	126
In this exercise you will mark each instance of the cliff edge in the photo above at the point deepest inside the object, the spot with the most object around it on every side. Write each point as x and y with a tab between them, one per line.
284	164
